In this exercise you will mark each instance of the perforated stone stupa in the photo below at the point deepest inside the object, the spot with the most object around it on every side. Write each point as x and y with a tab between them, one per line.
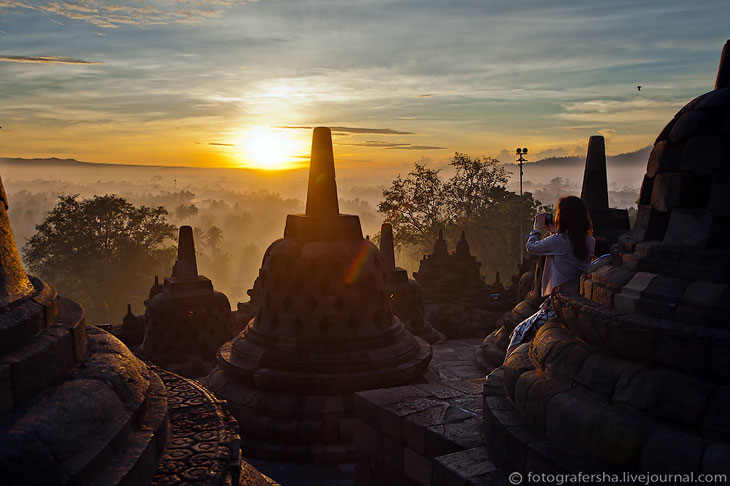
324	329
406	297
455	295
69	396
188	321
633	373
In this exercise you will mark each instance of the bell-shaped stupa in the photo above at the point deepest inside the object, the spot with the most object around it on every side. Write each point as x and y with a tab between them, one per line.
324	329
405	294
76	407
632	374
187	322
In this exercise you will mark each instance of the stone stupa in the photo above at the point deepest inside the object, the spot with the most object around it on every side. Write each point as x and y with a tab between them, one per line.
78	408
187	321
324	329
405	293
632	375
68	394
608	223
456	298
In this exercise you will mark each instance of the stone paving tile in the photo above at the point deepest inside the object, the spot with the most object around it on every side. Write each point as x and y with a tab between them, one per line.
454	360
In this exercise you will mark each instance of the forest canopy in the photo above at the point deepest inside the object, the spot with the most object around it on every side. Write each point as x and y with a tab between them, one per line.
102	251
475	200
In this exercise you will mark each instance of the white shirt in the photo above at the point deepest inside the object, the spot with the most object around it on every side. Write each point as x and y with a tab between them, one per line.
560	265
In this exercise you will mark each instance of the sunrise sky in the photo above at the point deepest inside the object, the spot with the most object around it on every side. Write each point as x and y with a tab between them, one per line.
229	83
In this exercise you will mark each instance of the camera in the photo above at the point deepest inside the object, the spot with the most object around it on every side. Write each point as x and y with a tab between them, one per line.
549	219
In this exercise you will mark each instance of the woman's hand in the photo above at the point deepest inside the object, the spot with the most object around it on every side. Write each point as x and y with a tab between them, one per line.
540	221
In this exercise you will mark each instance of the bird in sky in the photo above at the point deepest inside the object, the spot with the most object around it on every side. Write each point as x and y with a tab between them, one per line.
639	88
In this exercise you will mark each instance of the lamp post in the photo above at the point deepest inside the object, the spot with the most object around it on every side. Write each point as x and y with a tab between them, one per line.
521	160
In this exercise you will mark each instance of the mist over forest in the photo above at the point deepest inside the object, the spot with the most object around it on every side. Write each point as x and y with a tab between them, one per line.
250	207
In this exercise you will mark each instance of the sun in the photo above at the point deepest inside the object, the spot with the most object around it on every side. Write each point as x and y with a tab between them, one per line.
270	148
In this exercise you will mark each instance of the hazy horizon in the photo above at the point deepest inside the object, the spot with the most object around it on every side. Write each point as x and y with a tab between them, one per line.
239	83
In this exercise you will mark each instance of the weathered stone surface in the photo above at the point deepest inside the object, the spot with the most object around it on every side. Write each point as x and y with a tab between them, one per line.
469	467
672	452
703	155
416	467
664	157
689	228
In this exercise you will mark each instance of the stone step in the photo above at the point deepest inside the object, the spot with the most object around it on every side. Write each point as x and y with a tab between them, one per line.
103	422
24	319
403	430
470	467
32	366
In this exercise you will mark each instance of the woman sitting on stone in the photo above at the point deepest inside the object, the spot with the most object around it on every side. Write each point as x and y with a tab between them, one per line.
568	251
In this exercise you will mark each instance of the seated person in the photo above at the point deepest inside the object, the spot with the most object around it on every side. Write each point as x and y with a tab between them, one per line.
568	251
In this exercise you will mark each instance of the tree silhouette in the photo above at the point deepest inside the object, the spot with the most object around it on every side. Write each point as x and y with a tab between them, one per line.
474	199
101	251
214	238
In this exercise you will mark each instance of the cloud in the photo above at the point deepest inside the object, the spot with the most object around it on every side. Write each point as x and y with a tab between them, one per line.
381	131
45	60
392	145
607	132
425	95
222	144
110	16
619	111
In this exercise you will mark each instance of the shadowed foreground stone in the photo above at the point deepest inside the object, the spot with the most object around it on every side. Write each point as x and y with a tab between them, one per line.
76	406
405	294
324	329
186	322
632	374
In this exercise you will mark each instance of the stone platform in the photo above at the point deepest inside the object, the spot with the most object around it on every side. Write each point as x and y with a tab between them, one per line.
204	445
428	433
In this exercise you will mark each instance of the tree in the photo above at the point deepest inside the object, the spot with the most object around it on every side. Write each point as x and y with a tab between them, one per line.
102	252
185	212
214	238
475	187
415	206
475	199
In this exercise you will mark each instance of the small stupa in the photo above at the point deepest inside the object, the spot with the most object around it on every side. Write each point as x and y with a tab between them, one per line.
324	329
405	293
188	321
456	298
608	223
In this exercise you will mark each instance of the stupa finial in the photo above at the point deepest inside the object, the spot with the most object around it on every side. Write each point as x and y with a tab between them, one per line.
186	265
14	282
723	71
595	184
386	246
322	188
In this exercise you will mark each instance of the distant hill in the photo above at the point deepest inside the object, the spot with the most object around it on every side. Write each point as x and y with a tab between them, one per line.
56	162
629	159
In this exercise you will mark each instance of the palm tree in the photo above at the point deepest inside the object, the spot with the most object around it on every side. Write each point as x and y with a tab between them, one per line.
214	237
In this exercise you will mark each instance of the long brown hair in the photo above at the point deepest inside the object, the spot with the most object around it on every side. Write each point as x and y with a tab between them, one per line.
572	217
